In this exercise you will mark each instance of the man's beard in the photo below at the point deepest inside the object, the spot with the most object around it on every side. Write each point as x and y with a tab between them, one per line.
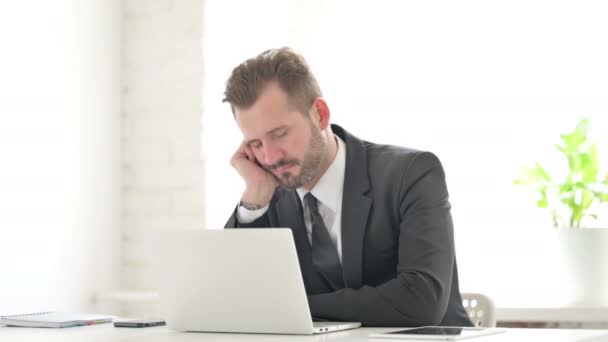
310	165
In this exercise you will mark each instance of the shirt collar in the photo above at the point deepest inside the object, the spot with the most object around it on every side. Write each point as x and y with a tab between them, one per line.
328	189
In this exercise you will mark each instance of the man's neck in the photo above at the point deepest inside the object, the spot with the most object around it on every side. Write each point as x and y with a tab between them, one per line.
332	150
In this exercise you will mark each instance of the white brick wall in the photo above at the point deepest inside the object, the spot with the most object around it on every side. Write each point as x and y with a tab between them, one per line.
60	174
162	110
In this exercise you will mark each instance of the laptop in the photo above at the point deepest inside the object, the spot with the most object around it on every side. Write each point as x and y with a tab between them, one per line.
234	280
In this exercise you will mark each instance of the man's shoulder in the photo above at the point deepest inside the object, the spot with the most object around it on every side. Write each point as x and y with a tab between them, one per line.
383	154
387	151
383	161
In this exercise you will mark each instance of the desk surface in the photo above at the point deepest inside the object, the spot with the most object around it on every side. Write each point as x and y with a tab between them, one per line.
573	314
503	314
107	333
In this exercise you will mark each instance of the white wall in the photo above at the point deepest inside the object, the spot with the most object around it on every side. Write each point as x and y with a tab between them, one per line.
59	148
227	43
486	85
489	87
162	111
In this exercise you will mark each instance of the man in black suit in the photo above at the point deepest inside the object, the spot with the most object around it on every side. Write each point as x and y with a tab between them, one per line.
371	223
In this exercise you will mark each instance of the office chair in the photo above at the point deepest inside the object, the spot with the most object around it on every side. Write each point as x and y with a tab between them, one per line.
480	308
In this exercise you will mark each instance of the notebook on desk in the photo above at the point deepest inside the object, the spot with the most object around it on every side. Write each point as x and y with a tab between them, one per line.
235	280
53	320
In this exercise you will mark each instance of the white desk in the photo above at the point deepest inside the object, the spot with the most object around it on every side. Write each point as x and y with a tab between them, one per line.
596	316
565	314
107	333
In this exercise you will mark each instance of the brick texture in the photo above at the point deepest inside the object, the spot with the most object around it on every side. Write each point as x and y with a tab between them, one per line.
162	161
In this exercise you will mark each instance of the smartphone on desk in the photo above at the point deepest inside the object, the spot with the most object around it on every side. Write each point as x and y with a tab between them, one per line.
139	323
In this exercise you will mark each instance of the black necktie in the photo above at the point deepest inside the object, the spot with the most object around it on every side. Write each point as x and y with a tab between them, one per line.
324	254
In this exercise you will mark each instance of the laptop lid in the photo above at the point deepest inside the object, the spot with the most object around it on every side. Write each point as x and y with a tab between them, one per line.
234	280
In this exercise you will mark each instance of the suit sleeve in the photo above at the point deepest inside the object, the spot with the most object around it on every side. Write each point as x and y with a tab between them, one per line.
419	293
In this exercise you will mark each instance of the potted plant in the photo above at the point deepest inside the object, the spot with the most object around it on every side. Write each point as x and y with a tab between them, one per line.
573	203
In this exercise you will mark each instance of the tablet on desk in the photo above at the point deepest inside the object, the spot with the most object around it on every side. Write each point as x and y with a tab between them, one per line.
438	333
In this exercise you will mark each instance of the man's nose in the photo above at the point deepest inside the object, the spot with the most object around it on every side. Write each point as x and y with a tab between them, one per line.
272	154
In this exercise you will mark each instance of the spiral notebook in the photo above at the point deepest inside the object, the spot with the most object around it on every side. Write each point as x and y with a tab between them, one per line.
53	320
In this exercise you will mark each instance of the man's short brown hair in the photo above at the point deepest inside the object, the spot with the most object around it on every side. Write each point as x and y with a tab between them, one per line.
283	65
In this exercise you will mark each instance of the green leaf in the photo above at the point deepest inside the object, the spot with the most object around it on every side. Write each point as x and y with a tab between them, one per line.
568	200
573	163
573	140
576	138
582	185
587	198
583	126
565	187
590	164
532	177
542	203
542	173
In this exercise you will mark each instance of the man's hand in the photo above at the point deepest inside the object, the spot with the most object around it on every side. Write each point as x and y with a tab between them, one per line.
260	184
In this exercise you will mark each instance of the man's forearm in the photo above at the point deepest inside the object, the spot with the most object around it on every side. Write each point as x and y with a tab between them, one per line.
261	221
390	304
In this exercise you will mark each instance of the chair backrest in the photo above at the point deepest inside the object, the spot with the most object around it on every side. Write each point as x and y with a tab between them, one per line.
480	308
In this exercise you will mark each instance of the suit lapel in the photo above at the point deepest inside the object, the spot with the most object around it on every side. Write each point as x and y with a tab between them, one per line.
355	211
355	208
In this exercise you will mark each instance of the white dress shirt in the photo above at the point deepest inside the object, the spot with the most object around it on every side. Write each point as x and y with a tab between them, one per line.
328	192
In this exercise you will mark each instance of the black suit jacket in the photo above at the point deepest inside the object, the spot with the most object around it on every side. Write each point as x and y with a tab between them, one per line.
398	254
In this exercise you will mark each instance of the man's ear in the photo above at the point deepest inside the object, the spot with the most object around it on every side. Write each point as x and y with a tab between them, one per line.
322	114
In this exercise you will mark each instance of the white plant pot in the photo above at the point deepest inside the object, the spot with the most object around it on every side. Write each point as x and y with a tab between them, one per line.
585	256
